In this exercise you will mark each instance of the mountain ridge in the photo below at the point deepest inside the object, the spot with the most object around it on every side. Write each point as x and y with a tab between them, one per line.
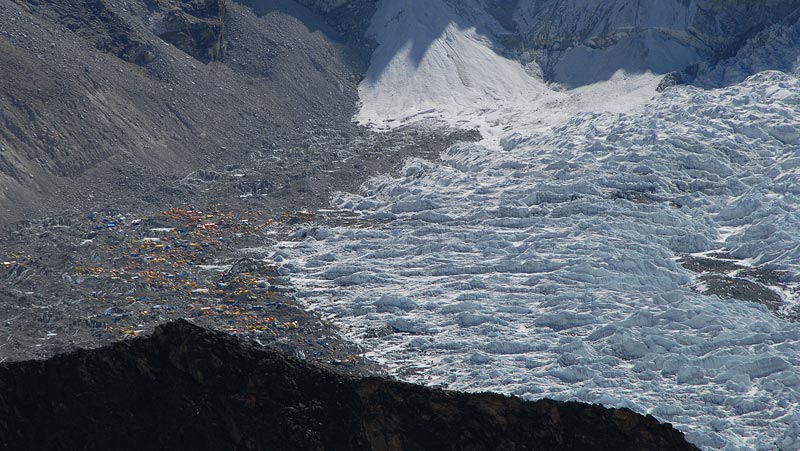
189	387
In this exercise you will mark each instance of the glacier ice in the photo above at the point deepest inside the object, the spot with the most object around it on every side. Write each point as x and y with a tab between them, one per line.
561	269
543	261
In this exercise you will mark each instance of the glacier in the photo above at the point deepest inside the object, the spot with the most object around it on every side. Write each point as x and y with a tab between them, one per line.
543	260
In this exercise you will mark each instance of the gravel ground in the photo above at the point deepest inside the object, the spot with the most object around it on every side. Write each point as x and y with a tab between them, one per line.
110	276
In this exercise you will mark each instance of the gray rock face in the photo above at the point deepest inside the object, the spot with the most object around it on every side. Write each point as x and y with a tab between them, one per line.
196	27
324	5
351	17
98	23
112	99
658	35
715	24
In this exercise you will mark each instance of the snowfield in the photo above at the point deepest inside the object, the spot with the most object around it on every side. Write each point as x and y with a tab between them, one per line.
543	261
429	65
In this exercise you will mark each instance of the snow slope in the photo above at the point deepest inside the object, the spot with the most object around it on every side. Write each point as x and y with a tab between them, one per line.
543	261
430	65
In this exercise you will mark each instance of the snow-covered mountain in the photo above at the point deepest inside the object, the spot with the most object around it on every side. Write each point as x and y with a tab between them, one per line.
658	35
444	58
584	41
605	241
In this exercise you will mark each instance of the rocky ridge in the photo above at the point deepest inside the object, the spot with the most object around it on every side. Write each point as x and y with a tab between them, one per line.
186	387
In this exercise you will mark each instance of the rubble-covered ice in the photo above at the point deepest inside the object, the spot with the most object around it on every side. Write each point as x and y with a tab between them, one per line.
546	265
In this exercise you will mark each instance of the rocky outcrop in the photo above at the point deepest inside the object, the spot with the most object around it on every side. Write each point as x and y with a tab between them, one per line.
190	388
662	35
325	5
716	25
194	26
350	17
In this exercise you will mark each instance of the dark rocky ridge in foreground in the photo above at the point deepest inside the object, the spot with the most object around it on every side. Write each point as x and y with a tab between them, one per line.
190	388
